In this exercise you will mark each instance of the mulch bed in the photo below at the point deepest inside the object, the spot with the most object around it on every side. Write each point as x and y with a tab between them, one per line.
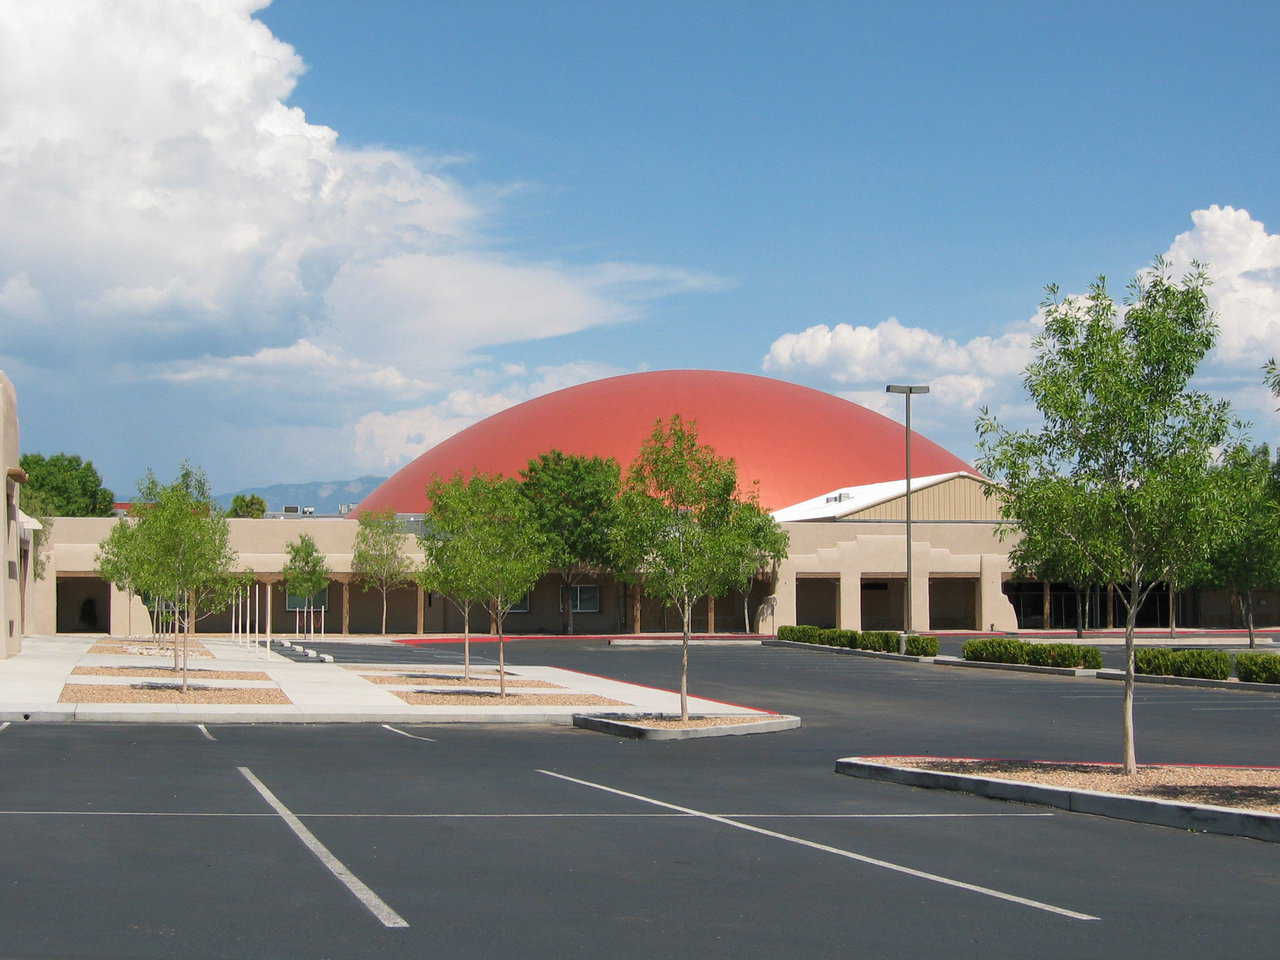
478	699
146	649
166	693
1252	788
200	673
453	680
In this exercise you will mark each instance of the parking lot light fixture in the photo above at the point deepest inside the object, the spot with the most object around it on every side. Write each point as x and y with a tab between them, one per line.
907	390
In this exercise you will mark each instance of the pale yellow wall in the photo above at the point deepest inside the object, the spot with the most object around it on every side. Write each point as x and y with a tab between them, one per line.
11	626
957	499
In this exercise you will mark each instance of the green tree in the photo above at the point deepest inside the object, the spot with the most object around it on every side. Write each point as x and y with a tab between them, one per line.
447	565
1123	429
1246	554
494	547
671	524
379	562
247	506
69	486
305	572
572	499
37	505
1271	372
751	541
174	549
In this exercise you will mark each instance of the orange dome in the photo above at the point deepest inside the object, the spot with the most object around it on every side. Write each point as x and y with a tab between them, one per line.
796	442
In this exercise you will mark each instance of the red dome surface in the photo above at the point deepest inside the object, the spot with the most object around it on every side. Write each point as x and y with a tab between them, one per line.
797	442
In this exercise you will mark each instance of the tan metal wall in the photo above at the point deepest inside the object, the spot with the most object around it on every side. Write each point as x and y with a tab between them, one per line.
957	499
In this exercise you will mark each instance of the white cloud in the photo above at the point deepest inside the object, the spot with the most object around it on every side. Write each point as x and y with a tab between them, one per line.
1243	261
384	441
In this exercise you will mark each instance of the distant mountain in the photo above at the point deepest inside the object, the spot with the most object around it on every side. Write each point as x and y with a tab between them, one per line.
324	495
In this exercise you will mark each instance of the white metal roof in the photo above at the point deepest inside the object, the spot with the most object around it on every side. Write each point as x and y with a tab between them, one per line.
847	500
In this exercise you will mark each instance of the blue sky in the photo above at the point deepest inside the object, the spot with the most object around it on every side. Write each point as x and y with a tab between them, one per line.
310	263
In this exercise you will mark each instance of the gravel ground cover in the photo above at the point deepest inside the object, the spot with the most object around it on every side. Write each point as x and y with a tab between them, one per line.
200	673
145	649
96	693
452	679
1253	788
695	723
479	699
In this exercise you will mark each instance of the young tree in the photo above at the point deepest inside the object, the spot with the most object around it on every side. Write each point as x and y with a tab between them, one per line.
379	562
305	572
671	529
572	500
483	528
1246	555
38	505
447	566
752	541
70	486
1122	428
174	548
247	506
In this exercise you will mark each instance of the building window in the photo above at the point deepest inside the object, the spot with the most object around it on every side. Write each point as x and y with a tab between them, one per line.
522	605
585	598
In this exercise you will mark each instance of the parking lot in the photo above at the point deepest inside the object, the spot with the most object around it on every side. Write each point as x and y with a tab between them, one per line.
365	840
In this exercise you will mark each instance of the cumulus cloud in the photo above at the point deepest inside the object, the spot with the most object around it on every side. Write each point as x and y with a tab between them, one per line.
1243	261
170	218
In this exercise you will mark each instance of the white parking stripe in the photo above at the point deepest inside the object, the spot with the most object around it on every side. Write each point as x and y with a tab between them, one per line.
849	854
4	726
411	736
375	904
521	816
205	730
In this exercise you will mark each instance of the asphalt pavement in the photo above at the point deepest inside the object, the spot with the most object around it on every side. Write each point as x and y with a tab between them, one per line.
469	841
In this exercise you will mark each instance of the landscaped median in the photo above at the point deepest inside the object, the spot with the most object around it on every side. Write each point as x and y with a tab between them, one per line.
860	641
661	726
1238	801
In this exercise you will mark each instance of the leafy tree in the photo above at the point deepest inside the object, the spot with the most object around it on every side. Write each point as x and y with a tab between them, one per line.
1124	431
37	505
1246	555
493	544
572	500
447	565
1271	371
247	506
69	486
675	506
305	572
752	541
379	562
174	548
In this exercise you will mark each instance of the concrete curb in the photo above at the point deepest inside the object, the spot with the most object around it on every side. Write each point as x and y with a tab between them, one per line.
846	651
1163	813
94	713
1016	667
1110	674
618	725
665	642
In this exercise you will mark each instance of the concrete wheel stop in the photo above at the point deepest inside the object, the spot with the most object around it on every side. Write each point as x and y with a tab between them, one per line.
638	726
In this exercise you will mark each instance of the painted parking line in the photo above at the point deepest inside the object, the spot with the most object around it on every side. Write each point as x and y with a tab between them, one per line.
4	726
375	904
524	816
837	851
411	736
205	730
1253	706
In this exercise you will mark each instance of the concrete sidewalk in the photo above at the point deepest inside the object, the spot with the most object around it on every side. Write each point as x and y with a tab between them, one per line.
32	683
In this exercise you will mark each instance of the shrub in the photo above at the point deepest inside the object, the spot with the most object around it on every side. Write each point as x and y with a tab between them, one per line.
1063	655
886	641
800	634
995	650
922	646
1208	664
1258	667
837	638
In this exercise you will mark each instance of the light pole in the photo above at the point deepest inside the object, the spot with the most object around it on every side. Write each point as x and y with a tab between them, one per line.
907	390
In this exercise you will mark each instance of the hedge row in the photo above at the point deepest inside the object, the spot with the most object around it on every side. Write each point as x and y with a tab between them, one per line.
884	641
1009	650
1208	664
1258	667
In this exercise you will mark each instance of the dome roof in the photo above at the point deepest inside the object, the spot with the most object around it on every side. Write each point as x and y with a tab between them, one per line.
796	442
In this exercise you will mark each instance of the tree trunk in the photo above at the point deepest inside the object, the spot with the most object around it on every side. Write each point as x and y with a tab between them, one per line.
711	614
1173	606
1131	617
1079	614
173	631
568	605
746	611
684	661
466	641
1247	596
1111	605
502	657
186	637
1048	597
384	612
636	597
1088	599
